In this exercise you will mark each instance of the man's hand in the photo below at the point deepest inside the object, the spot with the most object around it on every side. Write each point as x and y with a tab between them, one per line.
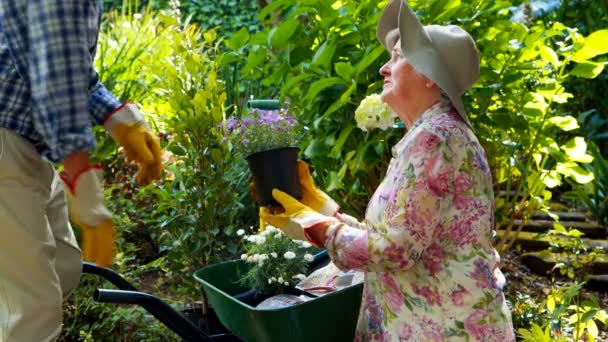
127	127
85	197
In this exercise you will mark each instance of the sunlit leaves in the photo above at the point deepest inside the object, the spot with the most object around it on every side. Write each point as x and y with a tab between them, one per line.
595	44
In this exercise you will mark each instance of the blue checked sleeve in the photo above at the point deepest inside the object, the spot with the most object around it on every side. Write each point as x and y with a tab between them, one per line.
51	43
101	103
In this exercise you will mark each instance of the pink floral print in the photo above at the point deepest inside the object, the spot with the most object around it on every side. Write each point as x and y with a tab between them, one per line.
431	273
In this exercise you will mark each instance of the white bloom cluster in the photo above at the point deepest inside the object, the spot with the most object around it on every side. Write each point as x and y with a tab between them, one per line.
289	255
374	113
279	280
309	257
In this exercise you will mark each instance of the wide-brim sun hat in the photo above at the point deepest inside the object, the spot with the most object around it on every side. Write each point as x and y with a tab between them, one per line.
446	55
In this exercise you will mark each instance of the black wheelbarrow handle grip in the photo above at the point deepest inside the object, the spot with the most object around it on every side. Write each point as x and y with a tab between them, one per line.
109	275
155	306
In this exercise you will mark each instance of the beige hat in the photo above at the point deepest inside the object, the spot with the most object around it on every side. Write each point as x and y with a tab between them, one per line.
447	55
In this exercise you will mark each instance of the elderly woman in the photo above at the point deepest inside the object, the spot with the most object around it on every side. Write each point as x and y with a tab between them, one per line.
431	272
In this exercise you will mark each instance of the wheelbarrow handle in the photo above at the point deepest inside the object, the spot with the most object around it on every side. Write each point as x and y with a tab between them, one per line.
109	275
155	306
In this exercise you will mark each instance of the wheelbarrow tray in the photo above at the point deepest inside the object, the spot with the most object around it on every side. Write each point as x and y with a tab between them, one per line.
332	317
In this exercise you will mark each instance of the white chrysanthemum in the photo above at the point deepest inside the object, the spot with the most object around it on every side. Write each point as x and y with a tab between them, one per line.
270	229
274	255
244	256
280	280
270	281
306	244
289	255
309	257
278	235
261	240
256	257
299	276
286	283
240	232
374	113
250	259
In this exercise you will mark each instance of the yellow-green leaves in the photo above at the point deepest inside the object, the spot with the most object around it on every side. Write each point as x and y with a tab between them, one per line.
576	149
565	123
595	44
588	69
547	53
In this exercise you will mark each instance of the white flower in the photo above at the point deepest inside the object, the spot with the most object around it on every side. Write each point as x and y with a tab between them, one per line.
374	113
286	283
261	240
240	232
270	281
261	262
299	276
306	244
274	255
270	229
289	255
250	259
309	257
243	256
256	257
278	235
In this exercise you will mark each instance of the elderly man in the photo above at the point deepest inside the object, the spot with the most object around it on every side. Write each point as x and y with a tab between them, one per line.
51	99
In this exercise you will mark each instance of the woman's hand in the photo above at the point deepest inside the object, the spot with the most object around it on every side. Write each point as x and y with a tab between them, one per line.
298	220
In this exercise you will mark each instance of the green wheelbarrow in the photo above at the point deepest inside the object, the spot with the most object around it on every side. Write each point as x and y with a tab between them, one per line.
332	317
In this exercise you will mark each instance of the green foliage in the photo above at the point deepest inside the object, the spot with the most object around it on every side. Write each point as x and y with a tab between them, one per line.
567	313
594	194
225	16
578	256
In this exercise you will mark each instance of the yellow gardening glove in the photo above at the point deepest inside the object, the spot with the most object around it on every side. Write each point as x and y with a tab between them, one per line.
312	196
127	127
85	197
296	217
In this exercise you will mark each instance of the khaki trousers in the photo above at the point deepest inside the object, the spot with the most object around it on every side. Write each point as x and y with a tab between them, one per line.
39	256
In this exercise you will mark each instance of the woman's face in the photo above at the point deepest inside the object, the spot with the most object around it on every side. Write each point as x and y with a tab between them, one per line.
403	85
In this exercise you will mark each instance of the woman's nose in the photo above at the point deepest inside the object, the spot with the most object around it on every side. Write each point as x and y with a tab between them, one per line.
385	70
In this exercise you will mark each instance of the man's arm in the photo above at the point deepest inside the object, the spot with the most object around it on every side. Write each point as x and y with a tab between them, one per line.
49	44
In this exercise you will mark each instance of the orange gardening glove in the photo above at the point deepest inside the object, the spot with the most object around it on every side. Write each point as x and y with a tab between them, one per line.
85	197
128	128
295	219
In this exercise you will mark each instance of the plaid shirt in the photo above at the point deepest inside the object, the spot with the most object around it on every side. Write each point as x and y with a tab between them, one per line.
50	92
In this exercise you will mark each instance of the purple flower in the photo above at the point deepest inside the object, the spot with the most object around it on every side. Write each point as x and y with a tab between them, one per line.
231	123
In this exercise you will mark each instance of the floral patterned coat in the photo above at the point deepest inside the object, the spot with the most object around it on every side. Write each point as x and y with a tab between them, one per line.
431	271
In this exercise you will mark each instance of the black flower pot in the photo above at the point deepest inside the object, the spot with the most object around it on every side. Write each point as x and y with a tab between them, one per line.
275	169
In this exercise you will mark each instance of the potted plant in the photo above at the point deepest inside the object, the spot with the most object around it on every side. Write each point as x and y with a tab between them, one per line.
268	140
